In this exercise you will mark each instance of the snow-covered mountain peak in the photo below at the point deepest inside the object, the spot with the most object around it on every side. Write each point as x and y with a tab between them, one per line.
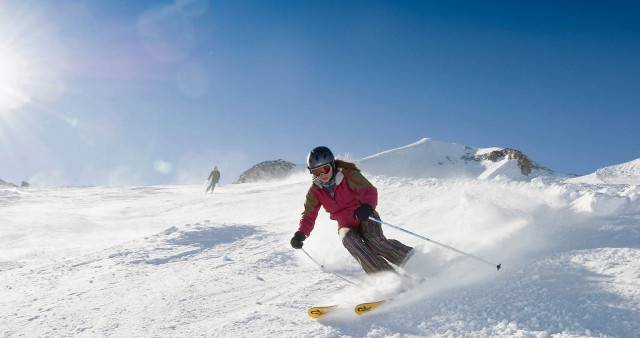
429	158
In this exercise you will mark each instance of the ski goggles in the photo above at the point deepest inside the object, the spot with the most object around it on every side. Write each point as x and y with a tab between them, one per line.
325	169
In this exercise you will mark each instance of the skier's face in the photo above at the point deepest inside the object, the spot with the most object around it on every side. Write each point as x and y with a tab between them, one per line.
325	177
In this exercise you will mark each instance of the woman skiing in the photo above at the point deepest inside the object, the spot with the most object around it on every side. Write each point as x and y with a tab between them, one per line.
350	199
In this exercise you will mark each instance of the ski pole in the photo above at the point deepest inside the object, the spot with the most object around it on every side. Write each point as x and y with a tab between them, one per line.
322	267
318	264
434	242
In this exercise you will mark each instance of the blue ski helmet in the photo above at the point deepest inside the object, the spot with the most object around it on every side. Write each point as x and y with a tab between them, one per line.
318	157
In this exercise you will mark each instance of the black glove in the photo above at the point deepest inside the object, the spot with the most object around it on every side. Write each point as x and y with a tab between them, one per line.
363	212
296	241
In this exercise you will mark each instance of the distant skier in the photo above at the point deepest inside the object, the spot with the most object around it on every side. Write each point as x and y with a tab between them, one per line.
350	199
214	177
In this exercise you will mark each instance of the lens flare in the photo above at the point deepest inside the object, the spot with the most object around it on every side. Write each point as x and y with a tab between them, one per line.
163	167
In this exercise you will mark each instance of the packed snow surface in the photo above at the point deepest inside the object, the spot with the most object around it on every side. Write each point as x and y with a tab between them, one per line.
171	261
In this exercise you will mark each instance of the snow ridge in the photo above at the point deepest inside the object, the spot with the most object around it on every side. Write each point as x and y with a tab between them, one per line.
625	173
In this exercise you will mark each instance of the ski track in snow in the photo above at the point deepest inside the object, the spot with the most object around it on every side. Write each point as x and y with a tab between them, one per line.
171	261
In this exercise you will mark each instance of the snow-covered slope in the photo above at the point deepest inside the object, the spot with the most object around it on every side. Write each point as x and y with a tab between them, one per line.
169	261
625	173
435	159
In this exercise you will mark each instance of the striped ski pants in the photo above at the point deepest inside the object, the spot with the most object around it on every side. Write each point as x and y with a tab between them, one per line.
371	249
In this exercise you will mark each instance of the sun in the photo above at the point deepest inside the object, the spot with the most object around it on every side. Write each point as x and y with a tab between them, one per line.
12	90
13	72
30	75
27	70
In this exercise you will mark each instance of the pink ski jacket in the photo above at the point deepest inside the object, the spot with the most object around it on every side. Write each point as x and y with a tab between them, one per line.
351	189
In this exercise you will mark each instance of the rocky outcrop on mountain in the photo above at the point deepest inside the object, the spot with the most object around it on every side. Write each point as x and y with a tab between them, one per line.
267	171
524	162
9	184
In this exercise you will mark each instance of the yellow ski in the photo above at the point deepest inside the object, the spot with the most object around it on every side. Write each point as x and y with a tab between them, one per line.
366	307
319	311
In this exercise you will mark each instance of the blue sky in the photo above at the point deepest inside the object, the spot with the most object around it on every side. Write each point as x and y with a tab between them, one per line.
157	92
